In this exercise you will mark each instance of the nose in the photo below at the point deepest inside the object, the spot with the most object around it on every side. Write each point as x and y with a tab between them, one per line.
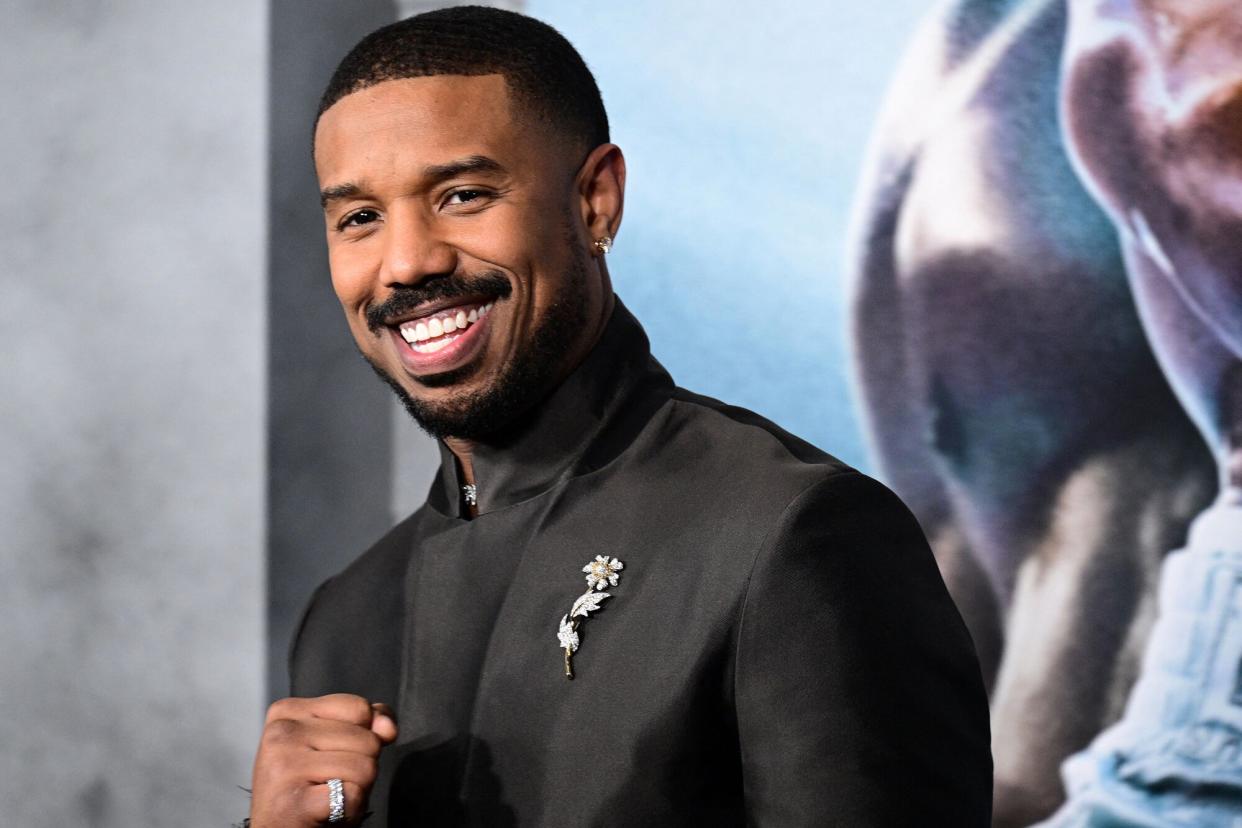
413	249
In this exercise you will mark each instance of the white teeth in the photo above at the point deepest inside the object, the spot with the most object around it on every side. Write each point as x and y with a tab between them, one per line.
431	328
432	347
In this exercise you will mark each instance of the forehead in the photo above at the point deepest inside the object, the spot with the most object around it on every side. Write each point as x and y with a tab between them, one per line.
416	121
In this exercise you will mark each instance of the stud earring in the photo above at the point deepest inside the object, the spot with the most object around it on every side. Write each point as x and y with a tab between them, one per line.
603	244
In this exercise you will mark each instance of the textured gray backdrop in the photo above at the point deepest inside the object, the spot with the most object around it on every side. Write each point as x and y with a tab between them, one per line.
132	410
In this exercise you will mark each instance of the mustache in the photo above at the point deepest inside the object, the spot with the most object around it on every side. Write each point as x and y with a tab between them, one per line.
490	284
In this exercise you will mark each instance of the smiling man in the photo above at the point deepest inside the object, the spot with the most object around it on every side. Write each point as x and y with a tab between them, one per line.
622	603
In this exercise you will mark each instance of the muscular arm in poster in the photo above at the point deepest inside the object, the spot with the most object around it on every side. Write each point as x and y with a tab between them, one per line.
1152	103
1011	394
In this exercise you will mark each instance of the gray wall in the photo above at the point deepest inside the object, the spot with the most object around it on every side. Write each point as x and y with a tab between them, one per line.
131	411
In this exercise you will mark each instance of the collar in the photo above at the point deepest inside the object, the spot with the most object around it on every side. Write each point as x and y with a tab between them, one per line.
586	421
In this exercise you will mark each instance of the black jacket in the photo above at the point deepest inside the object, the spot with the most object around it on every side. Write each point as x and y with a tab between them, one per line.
780	649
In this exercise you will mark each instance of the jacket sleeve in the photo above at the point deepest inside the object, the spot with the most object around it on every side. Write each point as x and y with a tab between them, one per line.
858	695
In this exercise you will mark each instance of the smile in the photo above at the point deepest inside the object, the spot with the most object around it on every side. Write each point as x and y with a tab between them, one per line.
444	338
430	334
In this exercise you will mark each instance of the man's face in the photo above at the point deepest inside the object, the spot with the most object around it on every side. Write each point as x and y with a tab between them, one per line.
457	247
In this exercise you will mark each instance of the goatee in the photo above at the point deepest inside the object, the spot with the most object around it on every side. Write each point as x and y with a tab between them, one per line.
521	383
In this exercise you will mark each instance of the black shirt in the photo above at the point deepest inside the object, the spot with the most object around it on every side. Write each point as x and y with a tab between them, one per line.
779	649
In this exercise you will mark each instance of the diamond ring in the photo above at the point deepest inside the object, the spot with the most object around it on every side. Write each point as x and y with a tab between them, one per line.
336	800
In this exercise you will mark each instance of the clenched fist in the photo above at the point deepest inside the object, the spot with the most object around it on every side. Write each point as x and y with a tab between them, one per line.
305	743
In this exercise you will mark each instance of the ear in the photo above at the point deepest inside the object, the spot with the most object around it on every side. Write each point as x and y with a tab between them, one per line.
601	191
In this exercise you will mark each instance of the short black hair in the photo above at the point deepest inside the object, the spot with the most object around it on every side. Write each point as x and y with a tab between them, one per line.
544	73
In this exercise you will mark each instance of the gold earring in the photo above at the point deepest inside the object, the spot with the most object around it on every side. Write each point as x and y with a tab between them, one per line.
603	244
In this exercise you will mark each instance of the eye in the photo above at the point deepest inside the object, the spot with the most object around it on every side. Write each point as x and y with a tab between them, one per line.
465	196
359	218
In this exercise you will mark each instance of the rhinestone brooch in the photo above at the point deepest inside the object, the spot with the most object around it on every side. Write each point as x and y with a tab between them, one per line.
601	572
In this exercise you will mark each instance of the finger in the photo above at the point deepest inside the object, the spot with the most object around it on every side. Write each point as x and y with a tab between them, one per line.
315	802
329	734
384	723
299	735
321	765
342	707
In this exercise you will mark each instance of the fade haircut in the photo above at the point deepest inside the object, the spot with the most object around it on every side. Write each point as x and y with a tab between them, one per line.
546	77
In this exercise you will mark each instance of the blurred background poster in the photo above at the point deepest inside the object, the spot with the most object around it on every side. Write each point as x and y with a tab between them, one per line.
986	251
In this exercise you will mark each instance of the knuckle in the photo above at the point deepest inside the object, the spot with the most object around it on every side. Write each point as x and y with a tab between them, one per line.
281	731
358	709
281	709
275	711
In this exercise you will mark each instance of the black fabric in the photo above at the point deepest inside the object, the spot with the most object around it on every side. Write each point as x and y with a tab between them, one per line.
780	649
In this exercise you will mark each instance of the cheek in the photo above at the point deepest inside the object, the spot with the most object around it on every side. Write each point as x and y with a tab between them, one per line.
498	245
518	234
351	277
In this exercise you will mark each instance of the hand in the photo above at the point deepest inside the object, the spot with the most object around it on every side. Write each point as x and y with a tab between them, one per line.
305	743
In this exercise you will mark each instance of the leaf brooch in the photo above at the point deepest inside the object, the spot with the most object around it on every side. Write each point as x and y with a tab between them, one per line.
601	572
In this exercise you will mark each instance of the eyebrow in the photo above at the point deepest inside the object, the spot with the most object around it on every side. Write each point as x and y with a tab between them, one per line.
335	193
470	164
433	174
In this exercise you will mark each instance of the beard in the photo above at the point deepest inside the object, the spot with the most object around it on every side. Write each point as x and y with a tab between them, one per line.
521	383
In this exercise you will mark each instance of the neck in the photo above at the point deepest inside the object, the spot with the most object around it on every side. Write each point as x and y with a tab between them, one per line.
463	450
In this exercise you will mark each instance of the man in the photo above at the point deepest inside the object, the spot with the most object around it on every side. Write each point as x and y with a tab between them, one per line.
762	636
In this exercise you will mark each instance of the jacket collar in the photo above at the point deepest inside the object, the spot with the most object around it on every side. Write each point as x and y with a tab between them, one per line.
586	420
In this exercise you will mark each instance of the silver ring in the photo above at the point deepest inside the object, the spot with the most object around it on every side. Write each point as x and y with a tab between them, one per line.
336	800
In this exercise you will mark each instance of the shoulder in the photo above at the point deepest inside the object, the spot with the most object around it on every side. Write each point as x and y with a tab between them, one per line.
743	429
723	483
744	458
854	539
766	456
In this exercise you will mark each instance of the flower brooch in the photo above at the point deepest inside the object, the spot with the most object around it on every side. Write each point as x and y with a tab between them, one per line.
601	572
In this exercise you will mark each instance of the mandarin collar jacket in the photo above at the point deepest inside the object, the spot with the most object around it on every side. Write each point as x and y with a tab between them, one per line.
779	649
